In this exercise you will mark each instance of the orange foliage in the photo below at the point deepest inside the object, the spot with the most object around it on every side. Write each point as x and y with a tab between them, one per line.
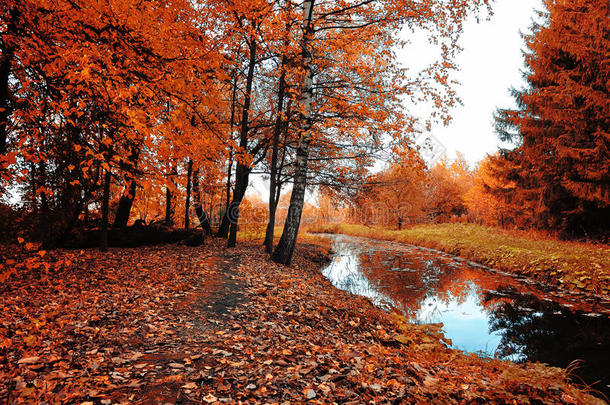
448	184
484	206
397	195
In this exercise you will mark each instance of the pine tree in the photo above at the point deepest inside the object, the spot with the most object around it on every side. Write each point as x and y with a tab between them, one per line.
561	127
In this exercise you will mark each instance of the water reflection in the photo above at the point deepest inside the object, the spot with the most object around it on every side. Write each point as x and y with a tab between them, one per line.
549	333
345	274
482	312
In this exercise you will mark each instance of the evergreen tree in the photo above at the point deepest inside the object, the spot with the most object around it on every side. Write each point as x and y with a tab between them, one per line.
561	162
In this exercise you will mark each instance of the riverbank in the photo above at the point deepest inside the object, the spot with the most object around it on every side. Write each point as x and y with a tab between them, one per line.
212	325
578	267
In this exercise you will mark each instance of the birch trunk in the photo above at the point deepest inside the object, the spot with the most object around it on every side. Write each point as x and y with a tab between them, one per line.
285	248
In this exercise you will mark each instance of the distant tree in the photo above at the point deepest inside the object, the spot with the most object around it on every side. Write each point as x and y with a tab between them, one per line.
397	195
486	199
448	183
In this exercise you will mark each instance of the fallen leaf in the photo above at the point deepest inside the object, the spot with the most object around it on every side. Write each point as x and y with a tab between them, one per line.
210	399
309	393
29	360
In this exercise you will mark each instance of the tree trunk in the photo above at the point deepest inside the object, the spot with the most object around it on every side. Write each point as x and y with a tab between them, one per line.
285	248
169	220
223	228
202	216
241	184
105	203
204	219
273	177
270	231
86	214
230	168
242	172
187	205
8	53
225	223
123	211
228	185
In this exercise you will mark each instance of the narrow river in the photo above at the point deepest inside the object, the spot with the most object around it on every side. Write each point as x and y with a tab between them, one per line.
482	312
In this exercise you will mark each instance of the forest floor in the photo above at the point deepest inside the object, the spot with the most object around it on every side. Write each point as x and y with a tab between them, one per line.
573	266
175	324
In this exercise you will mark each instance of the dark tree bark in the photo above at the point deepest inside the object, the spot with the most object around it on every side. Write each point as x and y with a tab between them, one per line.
86	214
285	248
169	196
169	214
242	171
187	205
123	211
104	223
274	175
6	59
269	232
225	223
121	217
241	184
202	216
223	228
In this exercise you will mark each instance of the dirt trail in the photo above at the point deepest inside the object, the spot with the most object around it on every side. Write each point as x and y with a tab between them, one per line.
181	365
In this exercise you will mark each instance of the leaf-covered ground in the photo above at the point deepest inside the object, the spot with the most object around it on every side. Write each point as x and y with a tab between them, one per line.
572	266
175	324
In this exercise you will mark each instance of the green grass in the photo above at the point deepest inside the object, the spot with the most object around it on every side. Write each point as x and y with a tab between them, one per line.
572	265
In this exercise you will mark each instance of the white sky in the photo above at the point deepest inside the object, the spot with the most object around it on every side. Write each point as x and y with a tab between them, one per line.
490	64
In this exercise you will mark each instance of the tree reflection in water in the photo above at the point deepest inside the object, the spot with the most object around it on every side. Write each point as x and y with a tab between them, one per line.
482	312
546	332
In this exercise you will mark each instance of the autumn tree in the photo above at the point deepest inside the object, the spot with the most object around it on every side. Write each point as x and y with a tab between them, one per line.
448	183
560	129
396	195
486	200
258	27
286	56
358	37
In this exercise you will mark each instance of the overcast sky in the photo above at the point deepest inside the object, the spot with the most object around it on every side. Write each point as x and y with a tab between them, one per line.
490	63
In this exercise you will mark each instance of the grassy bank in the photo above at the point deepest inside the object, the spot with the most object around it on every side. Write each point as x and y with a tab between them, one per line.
571	265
